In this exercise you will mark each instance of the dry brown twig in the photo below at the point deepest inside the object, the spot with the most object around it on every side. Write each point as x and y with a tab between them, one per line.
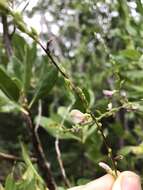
42	162
59	158
13	158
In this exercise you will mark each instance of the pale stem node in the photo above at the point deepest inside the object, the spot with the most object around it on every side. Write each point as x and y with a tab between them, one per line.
107	168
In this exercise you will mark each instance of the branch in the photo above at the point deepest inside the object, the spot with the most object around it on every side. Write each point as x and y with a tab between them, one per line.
6	36
111	112
42	162
65	179
78	91
13	158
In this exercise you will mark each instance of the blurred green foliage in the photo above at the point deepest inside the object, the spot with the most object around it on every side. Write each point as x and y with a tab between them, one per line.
100	46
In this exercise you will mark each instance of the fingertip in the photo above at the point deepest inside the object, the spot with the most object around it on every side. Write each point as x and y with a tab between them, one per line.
77	188
127	180
102	183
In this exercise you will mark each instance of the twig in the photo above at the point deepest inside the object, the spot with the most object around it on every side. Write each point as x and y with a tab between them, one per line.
26	5
39	117
112	111
65	179
110	153
13	158
82	97
43	164
6	36
13	32
57	148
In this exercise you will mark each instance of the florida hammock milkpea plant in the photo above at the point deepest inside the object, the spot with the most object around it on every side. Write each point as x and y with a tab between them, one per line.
21	92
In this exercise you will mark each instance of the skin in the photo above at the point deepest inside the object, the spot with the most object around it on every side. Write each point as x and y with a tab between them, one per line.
126	180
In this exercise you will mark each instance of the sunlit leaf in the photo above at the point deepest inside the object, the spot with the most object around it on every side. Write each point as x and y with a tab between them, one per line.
8	86
29	163
130	53
10	183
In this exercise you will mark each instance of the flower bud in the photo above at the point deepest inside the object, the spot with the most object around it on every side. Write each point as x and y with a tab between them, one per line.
77	117
109	93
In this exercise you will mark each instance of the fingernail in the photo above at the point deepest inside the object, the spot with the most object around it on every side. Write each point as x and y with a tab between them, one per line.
131	183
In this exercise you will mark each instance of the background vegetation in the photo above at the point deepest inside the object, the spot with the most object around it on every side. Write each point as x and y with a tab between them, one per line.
99	45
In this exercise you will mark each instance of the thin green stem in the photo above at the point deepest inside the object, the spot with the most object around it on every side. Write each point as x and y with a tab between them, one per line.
78	91
99	125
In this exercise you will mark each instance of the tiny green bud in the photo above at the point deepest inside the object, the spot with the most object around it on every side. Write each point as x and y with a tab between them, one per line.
33	33
19	22
100	125
68	83
109	150
21	26
99	132
17	16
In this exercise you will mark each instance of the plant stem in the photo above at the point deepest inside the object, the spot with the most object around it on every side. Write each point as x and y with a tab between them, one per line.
42	162
13	158
60	161
6	37
110	153
79	92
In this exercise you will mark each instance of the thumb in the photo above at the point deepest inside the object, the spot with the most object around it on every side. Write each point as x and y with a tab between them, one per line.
103	183
127	181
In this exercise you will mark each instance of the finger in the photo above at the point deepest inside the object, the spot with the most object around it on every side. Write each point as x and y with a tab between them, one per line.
102	183
127	181
77	188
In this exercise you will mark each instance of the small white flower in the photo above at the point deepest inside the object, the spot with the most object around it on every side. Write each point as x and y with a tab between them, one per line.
107	169
109	93
77	117
105	166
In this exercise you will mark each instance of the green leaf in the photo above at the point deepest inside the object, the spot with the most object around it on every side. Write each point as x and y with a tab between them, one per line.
79	104
137	150
46	83
28	175
139	6
29	58
10	183
8	86
15	68
54	129
31	185
28	181
29	163
125	150
6	105
135	74
18	43
87	131
130	53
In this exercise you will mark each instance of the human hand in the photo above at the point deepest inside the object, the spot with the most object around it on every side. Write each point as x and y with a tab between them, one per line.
126	180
